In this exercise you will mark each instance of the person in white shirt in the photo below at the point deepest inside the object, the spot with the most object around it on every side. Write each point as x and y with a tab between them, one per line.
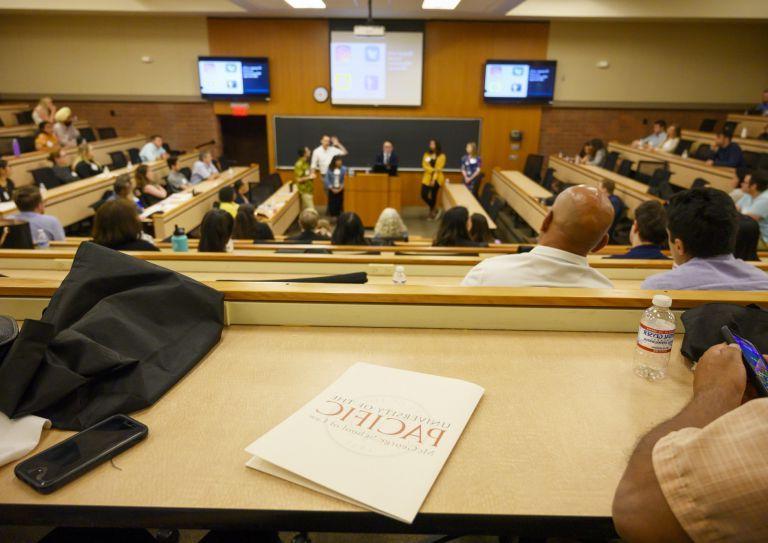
203	168
672	141
323	154
576	225
655	138
64	129
153	150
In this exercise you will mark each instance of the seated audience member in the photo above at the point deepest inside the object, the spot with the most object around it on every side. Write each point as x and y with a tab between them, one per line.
762	107
556	187
324	228
216	232
747	239
741	181
387	161
755	204
6	185
227	200
85	165
153	150
764	134
241	192
608	188
45	111
61	168
64	129
148	191
203	168
118	227
593	153
672	140
479	230
389	227
124	189
247	225
648	234
46	140
334	184
349	230
303	178
656	138
702	226
176	179
453	230
31	208
726	152
308	219
471	168
701	475
576	225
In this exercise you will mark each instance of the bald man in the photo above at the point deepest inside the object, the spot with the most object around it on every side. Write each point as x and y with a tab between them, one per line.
576	225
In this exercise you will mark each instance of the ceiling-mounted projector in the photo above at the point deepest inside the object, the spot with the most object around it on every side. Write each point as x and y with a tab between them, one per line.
369	30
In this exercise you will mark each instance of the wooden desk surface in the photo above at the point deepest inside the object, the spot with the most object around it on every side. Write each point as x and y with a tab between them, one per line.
523	195
281	209
747	144
684	170
8	113
529	186
755	124
457	194
522	454
28	129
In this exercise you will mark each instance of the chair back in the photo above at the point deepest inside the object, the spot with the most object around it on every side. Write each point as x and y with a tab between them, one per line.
106	132
532	169
646	169
707	125
610	160
24	117
485	196
45	176
17	234
625	167
683	146
549	176
87	133
702	152
133	154
26	144
729	127
659	184
118	159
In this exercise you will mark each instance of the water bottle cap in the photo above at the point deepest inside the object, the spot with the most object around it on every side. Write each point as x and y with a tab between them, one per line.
178	231
399	268
662	300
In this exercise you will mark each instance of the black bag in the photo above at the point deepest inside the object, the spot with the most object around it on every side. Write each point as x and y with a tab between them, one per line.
117	334
703	323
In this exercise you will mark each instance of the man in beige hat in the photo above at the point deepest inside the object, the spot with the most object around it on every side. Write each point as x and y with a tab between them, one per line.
64	130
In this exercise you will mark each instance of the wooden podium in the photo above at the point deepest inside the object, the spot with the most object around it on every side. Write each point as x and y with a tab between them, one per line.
367	194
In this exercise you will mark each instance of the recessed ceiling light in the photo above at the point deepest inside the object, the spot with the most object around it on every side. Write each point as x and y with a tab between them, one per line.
306	4
440	4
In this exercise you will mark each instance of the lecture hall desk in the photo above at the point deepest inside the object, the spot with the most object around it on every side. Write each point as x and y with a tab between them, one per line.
542	453
747	144
755	124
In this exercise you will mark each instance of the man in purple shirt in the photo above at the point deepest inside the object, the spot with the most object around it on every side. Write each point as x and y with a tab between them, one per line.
702	225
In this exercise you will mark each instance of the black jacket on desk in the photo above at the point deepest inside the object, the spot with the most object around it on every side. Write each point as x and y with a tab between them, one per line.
87	169
63	175
391	167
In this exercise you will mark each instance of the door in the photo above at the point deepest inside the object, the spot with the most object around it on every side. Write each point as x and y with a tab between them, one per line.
244	140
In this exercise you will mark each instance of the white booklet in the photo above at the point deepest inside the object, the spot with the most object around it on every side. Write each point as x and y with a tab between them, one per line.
377	437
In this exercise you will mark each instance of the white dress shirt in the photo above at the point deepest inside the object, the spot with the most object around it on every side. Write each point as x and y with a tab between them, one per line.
542	267
202	171
669	145
151	152
321	158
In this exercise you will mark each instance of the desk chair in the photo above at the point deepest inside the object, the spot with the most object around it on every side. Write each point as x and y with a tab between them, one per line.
549	176
659	184
133	155
762	162
610	160
497	204
187	172
265	188
647	168
118	159
106	132
45	176
751	159
533	165
625	168
707	125
24	117
88	134
486	195
683	146
26	143
730	127
702	152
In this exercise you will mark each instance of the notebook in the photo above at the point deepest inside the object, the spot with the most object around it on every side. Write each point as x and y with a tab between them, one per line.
377	437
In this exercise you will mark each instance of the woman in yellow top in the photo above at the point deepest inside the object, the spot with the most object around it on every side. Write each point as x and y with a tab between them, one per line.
46	140
433	178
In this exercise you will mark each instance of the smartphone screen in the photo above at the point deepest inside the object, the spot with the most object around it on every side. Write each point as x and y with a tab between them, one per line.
754	359
81	452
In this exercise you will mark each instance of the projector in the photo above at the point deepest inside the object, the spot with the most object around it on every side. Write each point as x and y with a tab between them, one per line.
369	30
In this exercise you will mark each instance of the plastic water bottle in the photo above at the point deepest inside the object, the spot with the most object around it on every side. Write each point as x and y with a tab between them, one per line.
399	278
43	190
744	133
685	154
16	147
179	240
654	339
41	239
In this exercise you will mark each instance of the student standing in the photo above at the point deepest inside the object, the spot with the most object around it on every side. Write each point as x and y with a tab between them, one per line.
334	184
304	179
329	148
471	168
433	163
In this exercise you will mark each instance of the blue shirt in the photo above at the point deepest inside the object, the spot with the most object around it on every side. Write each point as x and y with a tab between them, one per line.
723	272
758	208
330	177
470	164
643	252
730	155
151	152
47	223
655	140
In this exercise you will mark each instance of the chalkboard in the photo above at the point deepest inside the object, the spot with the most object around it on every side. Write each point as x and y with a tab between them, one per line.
363	136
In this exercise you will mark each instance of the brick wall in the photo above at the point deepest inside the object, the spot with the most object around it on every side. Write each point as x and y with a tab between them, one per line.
566	129
182	125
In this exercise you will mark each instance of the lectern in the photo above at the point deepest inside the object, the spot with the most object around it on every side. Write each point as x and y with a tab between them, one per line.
368	193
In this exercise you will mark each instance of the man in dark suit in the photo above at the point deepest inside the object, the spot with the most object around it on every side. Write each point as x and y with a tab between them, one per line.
387	161
308	222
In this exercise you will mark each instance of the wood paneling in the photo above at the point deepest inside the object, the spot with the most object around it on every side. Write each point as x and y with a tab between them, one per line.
455	52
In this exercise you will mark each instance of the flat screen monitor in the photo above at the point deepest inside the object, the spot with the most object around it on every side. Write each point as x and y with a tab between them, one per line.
376	70
520	81
233	78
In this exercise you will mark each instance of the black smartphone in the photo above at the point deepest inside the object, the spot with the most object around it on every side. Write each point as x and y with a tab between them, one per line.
76	455
757	369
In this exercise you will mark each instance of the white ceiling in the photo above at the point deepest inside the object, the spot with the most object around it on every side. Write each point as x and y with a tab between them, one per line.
411	9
